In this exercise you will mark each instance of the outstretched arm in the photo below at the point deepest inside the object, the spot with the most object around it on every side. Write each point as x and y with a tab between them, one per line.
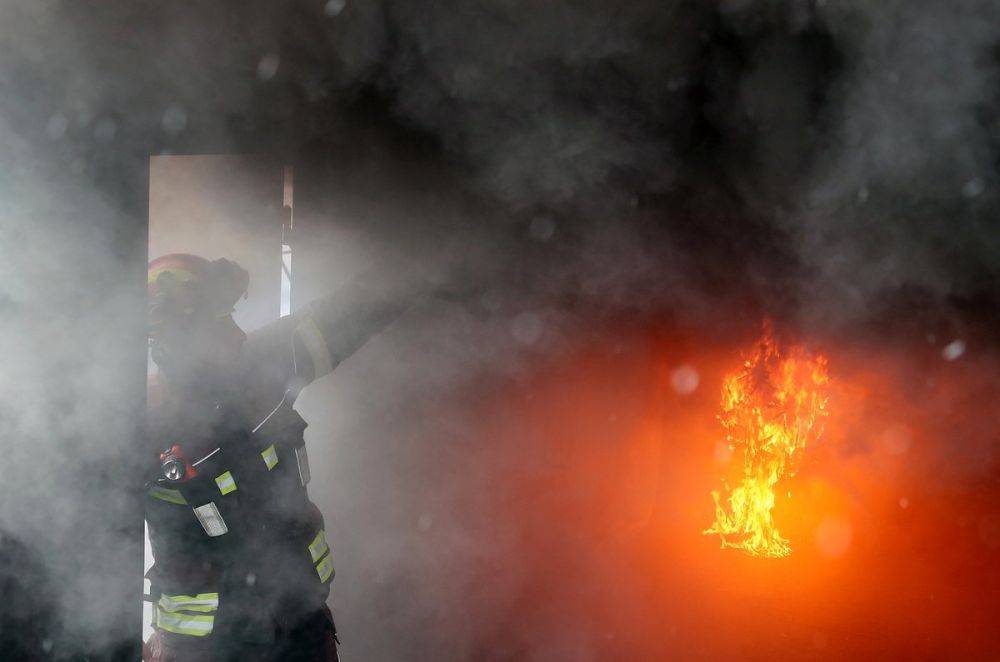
298	349
331	329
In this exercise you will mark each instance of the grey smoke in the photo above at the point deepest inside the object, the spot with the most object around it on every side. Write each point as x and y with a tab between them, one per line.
856	144
863	137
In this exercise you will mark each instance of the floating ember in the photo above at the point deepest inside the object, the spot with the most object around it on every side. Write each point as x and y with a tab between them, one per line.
772	408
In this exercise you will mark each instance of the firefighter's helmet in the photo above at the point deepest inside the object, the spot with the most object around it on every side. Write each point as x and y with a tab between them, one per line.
182	285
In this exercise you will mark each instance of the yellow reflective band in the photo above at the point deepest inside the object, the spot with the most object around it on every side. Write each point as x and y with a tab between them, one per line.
318	546
312	338
189	624
203	602
270	457
325	568
182	275
164	494
226	483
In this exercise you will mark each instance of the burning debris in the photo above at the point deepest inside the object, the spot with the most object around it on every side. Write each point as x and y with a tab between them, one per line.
772	408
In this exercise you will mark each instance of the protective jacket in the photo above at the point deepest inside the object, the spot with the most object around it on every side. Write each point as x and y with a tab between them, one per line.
241	558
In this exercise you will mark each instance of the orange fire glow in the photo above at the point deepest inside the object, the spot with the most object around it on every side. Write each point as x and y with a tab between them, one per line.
773	406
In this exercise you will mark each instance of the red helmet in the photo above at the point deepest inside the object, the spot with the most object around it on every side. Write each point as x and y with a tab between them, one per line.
181	284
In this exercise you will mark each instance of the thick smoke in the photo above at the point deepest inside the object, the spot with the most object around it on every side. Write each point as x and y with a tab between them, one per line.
906	193
857	144
67	409
825	162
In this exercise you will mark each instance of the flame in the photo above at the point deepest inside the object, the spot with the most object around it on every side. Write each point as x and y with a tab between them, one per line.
772	408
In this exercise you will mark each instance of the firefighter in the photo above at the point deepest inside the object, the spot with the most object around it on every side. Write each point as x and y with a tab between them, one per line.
242	566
